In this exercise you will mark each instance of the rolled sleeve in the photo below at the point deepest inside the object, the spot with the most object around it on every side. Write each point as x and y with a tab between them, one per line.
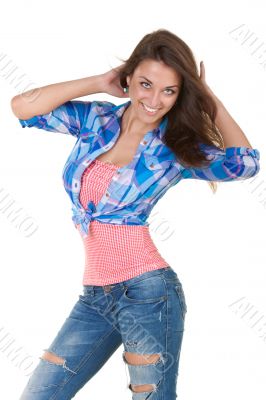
68	118
233	163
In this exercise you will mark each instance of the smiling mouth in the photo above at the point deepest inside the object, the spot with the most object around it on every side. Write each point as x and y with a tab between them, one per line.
149	110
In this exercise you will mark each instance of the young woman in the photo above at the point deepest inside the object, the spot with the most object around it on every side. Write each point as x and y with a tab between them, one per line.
124	160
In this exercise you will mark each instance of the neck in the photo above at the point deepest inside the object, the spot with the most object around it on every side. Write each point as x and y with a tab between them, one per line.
131	124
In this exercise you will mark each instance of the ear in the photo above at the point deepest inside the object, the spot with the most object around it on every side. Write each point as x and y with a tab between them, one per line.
128	80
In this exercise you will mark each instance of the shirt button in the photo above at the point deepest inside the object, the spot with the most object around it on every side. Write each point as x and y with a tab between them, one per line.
144	142
107	194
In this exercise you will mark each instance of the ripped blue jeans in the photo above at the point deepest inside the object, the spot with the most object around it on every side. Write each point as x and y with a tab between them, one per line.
146	314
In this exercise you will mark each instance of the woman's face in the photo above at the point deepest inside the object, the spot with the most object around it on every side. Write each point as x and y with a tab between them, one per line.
154	85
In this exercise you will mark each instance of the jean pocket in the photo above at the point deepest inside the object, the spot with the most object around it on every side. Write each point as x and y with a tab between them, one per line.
95	299
182	300
88	290
149	290
88	294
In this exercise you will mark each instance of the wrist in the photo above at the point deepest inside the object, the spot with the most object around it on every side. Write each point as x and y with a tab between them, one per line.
216	100
93	84
100	83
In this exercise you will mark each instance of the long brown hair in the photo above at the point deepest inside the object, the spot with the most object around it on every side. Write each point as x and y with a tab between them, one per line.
191	119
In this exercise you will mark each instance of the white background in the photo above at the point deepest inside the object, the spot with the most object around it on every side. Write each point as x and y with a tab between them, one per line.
217	245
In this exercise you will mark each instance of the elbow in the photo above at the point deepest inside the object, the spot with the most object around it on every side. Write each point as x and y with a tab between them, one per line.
18	108
14	105
249	171
243	163
254	171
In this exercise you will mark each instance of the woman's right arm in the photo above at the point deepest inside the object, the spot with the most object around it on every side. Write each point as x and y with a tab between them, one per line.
43	100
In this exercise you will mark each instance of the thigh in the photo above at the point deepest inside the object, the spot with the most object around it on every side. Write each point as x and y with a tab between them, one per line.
85	341
151	322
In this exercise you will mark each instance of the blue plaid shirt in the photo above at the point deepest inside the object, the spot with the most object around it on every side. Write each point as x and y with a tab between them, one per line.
135	188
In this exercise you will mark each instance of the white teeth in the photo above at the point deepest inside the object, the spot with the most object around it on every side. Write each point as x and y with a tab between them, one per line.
149	109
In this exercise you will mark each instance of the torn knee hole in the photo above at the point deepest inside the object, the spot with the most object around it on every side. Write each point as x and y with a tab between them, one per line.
141	388
52	358
138	359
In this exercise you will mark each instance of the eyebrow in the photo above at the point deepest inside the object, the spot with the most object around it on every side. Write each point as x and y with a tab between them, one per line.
151	82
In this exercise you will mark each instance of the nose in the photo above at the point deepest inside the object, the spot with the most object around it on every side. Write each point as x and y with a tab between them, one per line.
154	100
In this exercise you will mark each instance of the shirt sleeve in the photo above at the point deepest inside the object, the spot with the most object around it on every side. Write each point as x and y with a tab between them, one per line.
68	118
233	163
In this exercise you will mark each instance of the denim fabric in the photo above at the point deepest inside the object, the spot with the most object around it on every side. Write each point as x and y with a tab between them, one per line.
146	314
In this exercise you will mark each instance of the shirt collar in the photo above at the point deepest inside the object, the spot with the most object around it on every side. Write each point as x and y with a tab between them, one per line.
119	110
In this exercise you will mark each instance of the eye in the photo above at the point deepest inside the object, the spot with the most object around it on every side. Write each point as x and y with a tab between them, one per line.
146	83
172	91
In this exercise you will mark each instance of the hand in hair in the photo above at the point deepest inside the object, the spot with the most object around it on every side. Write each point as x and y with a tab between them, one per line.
111	83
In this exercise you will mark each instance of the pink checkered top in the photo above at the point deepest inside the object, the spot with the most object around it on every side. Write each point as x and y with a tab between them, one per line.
113	253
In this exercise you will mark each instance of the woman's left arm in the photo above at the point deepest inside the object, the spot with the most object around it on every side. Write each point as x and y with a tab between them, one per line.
232	134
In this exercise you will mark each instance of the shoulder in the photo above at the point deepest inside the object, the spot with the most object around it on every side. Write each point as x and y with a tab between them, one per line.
102	107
